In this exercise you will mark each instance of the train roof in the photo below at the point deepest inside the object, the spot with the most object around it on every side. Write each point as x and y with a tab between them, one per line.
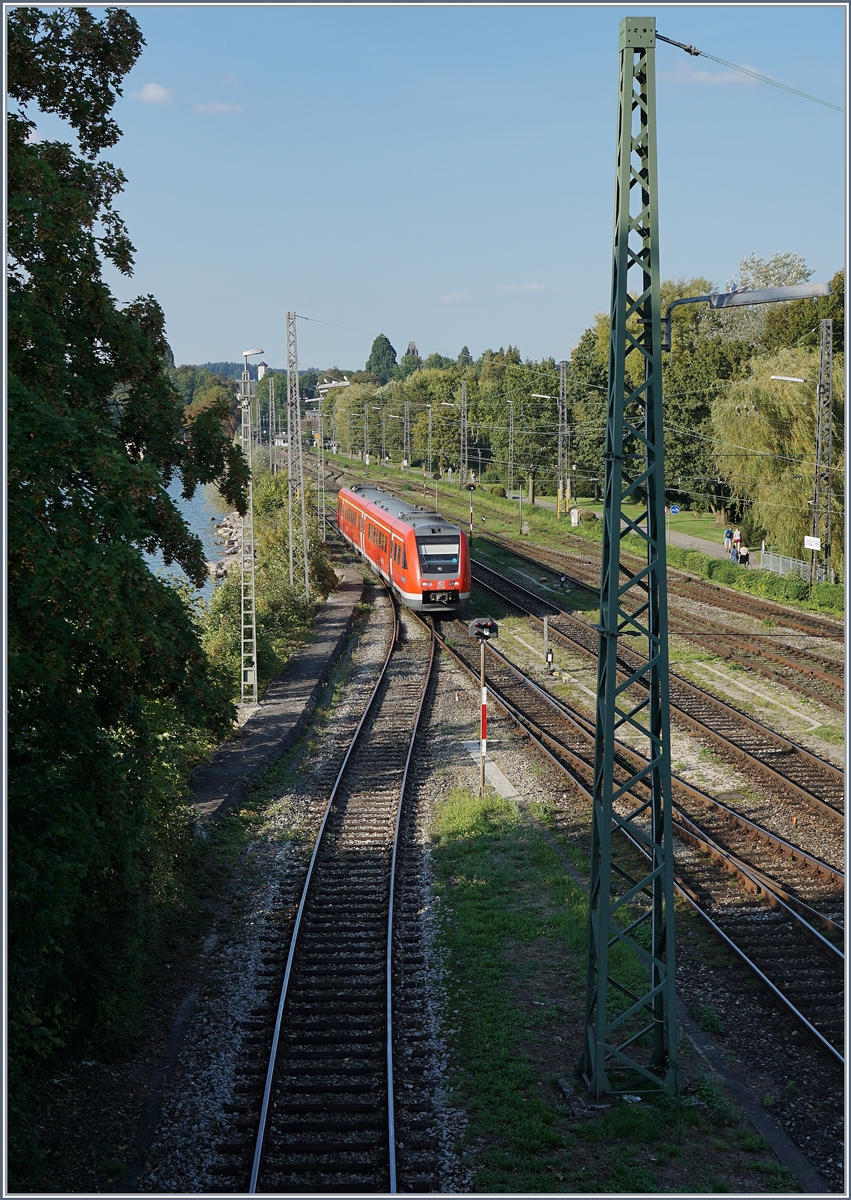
421	519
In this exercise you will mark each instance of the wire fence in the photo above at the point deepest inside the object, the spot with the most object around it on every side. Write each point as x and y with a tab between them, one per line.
782	564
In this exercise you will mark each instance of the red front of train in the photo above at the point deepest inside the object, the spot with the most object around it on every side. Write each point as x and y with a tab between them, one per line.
424	559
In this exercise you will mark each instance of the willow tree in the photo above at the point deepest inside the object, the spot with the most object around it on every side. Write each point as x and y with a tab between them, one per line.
765	447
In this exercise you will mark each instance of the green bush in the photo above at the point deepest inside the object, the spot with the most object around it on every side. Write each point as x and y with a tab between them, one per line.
723	571
829	595
587	516
499	490
697	562
491	477
796	588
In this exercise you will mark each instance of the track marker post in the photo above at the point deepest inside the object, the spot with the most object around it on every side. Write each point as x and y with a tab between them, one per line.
631	1033
484	629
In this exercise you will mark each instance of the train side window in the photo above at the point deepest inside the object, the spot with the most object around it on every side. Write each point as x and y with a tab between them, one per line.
404	559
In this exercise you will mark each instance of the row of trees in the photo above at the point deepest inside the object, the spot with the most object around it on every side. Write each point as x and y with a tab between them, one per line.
736	443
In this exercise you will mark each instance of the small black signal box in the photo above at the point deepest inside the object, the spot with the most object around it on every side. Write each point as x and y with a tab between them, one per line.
484	628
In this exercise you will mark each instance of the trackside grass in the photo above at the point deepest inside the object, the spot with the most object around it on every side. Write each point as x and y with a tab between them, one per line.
513	928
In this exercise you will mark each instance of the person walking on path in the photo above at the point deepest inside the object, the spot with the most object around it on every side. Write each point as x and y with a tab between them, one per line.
728	539
737	538
734	554
744	556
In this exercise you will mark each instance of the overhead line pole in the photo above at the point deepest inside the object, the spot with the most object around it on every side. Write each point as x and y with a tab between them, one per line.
294	424
272	427
632	1046
823	481
320	489
462	469
562	421
247	606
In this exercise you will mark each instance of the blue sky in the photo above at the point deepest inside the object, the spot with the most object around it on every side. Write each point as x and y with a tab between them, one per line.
446	173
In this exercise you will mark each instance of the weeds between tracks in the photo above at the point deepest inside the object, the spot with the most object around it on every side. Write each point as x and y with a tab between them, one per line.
515	927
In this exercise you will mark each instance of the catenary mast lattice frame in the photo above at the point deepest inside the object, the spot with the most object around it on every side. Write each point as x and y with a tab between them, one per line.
295	454
247	624
631	1036
562	425
823	475
464	447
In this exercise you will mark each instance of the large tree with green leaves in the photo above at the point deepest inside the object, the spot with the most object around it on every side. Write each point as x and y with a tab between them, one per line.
108	685
381	363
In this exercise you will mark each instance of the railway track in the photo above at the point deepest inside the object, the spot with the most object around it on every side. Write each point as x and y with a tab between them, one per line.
809	782
327	1091
778	908
801	669
680	583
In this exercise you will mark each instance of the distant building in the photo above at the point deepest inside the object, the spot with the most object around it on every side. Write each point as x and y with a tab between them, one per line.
412	349
262	368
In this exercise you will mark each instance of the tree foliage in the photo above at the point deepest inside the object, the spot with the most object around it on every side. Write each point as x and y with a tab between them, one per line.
107	677
765	441
382	360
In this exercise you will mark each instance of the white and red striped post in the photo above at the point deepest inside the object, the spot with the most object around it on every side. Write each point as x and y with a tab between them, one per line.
483	628
484	720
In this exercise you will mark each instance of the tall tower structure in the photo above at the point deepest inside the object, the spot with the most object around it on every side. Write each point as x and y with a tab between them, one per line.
562	424
273	428
462	467
295	457
247	614
823	479
631	1036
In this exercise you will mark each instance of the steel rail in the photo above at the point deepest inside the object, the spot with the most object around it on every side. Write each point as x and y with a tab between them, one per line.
713	630
752	827
690	828
540	738
691	899
390	1093
684	584
750	651
726	709
267	1091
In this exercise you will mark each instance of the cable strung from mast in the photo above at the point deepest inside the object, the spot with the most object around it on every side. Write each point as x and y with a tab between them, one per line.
746	71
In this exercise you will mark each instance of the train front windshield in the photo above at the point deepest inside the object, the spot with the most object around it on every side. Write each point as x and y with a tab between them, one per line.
439	556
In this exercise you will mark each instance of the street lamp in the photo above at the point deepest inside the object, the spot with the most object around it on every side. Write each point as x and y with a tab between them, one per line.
737	299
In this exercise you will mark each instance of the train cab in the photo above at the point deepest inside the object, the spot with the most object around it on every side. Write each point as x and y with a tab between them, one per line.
424	559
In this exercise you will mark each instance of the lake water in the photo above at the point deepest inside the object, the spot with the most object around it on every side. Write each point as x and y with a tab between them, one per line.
206	503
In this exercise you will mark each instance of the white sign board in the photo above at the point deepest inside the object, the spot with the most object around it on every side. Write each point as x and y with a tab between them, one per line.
811	543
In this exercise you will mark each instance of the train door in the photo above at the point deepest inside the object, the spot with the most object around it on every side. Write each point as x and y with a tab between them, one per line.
360	540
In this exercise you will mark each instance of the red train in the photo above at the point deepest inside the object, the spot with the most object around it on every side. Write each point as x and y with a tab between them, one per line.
425	560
